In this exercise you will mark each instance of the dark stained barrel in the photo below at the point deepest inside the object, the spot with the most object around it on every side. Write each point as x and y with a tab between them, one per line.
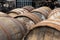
55	14
2	14
11	29
42	12
45	30
29	19
29	8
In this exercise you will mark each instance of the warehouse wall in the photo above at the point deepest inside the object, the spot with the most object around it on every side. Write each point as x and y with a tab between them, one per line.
11	0
21	3
59	0
14	2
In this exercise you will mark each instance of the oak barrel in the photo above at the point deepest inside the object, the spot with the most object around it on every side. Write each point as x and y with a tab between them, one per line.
42	12
55	14
45	30
2	14
17	11
11	29
29	8
29	19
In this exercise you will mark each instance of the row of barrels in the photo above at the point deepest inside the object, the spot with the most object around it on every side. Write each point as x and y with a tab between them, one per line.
28	23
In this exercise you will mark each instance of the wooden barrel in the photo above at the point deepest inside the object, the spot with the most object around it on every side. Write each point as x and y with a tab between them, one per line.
46	30
2	14
29	8
11	29
17	11
55	14
42	12
13	14
29	19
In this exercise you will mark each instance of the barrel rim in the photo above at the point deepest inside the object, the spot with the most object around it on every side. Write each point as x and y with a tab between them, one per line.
50	24
13	12
25	16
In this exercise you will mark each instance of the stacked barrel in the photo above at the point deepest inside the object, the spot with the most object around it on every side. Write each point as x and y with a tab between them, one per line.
48	29
28	23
